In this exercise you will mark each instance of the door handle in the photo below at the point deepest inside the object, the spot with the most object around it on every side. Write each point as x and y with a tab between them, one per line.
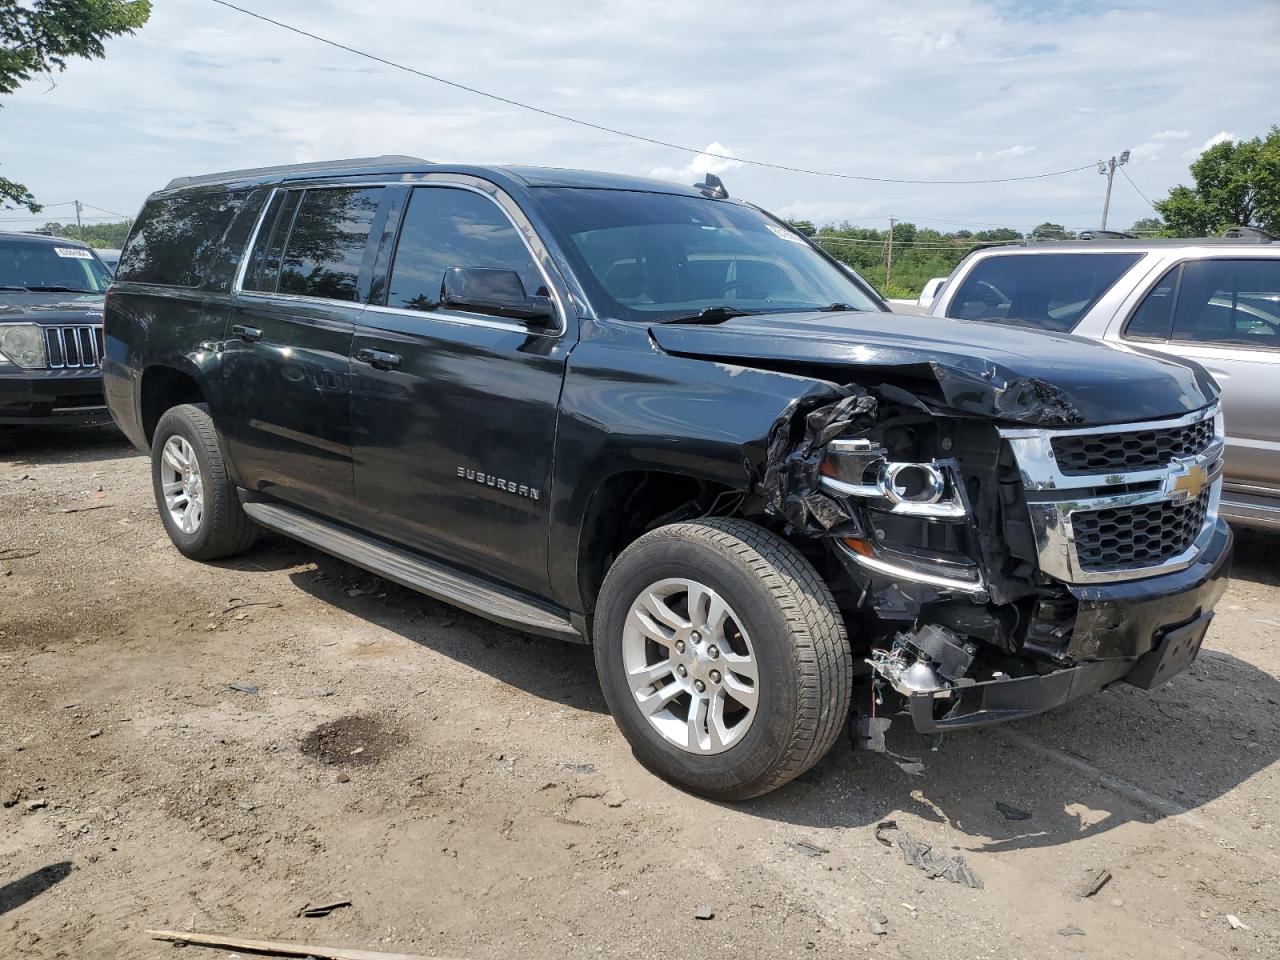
378	359
247	334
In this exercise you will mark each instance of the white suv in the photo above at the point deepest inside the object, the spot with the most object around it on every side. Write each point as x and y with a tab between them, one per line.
1216	302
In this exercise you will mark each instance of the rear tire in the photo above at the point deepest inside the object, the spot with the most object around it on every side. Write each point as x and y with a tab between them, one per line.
197	500
726	604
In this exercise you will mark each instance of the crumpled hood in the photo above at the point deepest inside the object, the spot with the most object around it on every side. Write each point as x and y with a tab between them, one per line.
50	309
1008	373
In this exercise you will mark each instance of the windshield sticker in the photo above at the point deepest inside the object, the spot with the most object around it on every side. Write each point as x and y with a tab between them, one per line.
785	234
75	253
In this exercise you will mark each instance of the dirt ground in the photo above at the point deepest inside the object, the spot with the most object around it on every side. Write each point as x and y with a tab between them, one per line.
463	787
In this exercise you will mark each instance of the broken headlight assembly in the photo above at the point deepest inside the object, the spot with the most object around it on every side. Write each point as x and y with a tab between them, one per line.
23	344
915	514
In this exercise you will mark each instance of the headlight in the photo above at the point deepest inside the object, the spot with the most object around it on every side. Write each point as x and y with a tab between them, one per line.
23	343
857	468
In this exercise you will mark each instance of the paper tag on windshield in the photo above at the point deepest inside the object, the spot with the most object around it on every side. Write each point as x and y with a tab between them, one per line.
785	234
75	253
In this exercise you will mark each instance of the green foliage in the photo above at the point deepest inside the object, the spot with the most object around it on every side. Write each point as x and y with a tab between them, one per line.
104	236
1147	227
1051	231
1236	184
41	37
803	226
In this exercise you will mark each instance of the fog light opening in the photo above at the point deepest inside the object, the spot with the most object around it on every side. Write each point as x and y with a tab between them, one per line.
914	483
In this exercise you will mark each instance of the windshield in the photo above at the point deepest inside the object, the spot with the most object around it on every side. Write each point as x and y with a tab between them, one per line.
50	267
656	256
1050	291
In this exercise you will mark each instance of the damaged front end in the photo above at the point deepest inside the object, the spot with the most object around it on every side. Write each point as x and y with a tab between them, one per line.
990	569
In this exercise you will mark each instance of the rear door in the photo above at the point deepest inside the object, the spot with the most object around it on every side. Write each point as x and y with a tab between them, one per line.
1225	314
453	412
286	358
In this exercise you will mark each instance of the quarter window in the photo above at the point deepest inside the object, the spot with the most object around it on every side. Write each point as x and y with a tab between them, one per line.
1152	319
1234	302
444	228
175	237
327	243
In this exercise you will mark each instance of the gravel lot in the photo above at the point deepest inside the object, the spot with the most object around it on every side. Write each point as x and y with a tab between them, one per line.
462	786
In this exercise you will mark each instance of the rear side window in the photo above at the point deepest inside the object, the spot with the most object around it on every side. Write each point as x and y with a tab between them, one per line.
175	238
444	228
1051	291
1230	302
327	242
1153	317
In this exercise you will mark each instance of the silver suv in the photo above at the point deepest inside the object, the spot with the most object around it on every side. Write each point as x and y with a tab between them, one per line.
1216	302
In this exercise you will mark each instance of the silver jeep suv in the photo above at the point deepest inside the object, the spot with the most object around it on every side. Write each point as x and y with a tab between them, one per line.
1216	302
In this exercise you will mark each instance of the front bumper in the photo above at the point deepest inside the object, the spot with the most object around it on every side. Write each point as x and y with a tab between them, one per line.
1142	631
72	397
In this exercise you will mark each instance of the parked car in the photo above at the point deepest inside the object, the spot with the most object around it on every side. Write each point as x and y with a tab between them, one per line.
1216	302
929	292
51	293
109	257
658	420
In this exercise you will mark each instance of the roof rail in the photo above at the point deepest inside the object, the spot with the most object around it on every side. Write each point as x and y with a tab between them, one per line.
1105	235
320	167
1253	234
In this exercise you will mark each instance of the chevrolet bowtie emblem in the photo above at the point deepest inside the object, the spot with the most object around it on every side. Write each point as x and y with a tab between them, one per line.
1187	483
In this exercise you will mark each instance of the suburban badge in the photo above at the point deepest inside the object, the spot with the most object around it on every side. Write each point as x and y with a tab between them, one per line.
508	486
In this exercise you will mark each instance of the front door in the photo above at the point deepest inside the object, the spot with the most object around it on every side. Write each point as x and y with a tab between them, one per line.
454	413
287	351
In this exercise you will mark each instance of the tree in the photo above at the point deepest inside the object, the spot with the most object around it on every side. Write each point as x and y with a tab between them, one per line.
41	37
803	226
1148	225
1237	184
1051	231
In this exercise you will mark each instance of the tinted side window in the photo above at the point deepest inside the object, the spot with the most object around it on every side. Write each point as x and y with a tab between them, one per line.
1049	291
445	228
1234	302
264	261
1152	319
176	236
327	243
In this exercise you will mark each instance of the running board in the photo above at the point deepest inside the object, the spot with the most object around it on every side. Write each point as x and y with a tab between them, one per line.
471	593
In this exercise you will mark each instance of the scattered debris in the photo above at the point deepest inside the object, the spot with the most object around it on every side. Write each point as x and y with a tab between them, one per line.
318	910
13	553
1071	931
1011	812
581	767
921	854
704	913
277	947
1096	881
867	733
243	687
807	849
95	733
1235	923
911	766
343	778
878	924
85	509
34	805
357	592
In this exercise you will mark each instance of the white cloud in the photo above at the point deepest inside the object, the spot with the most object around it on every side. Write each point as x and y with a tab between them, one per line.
716	158
1221	136
1018	150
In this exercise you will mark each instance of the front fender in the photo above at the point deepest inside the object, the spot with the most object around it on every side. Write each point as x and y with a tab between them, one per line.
627	406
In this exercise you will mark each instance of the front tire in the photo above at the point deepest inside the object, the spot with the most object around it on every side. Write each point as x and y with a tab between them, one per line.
723	657
193	488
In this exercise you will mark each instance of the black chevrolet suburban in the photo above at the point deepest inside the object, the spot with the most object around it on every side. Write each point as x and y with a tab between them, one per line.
658	420
50	331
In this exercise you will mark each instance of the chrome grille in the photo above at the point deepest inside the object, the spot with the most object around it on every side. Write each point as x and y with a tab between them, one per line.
1130	450
1122	538
78	346
1121	503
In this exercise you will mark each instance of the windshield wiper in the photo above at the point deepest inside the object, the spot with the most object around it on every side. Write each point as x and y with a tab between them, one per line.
12	287
710	315
54	288
836	307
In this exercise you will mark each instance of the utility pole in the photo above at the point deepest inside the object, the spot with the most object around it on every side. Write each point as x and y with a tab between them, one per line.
79	227
1108	169
888	274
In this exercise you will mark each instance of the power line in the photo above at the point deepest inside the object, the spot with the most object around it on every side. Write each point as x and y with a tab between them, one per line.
1139	189
122	216
624	133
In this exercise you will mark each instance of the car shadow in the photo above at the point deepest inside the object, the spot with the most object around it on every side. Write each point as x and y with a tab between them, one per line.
25	889
1185	743
28	446
1255	556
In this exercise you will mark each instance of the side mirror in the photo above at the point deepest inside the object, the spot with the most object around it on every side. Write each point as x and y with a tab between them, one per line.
499	293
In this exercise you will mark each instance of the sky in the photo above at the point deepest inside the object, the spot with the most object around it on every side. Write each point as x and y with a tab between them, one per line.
932	89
